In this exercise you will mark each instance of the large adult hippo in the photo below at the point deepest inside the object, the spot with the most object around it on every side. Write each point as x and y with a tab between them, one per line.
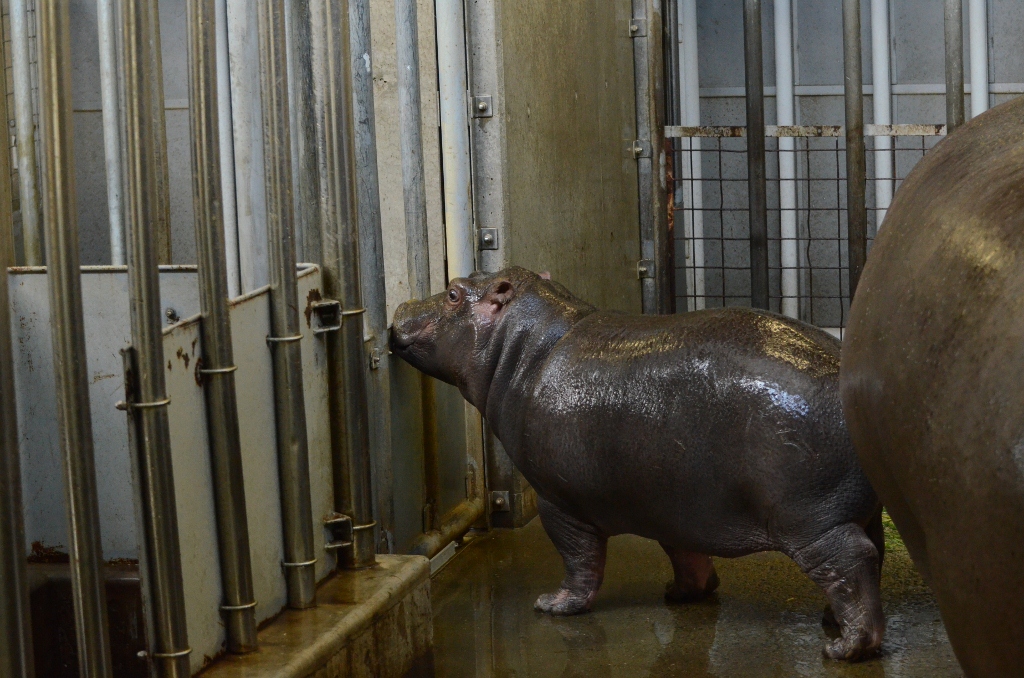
715	433
933	381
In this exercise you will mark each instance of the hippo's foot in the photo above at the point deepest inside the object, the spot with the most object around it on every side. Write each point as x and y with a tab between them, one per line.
583	551
695	576
844	563
564	602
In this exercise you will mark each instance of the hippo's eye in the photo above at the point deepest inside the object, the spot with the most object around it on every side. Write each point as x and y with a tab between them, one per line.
453	295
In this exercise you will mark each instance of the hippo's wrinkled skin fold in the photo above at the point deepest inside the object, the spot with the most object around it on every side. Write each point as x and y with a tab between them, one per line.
933	381
715	433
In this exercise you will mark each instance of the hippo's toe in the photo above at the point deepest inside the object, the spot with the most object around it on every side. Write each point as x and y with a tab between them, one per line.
563	602
858	645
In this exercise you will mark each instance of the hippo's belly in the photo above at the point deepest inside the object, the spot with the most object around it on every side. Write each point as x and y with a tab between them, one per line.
704	445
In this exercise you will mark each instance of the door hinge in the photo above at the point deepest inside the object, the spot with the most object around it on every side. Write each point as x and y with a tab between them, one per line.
645	268
637	28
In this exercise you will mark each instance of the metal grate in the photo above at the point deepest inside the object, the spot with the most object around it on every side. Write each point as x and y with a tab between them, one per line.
711	223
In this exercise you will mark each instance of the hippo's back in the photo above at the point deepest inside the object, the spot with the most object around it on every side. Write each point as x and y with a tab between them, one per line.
933	381
728	420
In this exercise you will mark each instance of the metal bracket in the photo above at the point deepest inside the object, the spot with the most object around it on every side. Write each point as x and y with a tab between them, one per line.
482	106
645	268
488	238
637	28
500	502
338	525
328	316
375	357
638	148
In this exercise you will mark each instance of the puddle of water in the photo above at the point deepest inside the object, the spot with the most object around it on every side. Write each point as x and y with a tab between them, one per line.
765	619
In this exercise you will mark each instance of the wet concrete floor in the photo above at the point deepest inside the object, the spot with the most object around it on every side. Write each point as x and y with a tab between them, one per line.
764	620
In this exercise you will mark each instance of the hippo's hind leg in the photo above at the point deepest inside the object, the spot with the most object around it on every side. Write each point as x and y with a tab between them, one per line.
695	576
583	550
844	563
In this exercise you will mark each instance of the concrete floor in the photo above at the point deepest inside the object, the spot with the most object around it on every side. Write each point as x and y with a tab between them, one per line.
765	619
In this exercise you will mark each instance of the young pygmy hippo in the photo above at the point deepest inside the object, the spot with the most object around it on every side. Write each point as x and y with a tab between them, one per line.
717	433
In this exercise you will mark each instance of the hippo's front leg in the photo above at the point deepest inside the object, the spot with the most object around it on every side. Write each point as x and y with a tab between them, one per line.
583	550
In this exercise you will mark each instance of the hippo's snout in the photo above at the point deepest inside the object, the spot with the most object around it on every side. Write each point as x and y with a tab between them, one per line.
401	339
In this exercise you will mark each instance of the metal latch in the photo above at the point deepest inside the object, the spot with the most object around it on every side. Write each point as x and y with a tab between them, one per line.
645	268
638	148
340	528
328	316
488	238
500	502
637	28
482	107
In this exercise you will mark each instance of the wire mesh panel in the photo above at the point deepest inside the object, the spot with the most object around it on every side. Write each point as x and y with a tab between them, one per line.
807	217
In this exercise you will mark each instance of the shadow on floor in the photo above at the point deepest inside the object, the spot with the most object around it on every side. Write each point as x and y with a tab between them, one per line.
765	619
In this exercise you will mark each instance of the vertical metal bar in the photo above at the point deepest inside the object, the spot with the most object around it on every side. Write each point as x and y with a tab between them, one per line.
289	400
227	151
978	17
303	131
146	215
881	99
856	172
16	659
107	27
332	78
757	186
72	377
649	83
455	151
371	259
954	24
31	226
692	171
217	370
785	105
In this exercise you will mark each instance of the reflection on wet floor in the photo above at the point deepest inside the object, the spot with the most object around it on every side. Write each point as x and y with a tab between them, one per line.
765	619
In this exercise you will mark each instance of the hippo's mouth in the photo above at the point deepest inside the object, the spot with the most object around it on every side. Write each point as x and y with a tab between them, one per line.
403	340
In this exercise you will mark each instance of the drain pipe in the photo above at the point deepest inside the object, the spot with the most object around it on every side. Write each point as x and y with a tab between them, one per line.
218	368
146	393
31	227
757	186
339	219
289	399
954	28
978	17
16	658
881	78
856	170
71	370
226	160
785	113
106	24
691	170
455	158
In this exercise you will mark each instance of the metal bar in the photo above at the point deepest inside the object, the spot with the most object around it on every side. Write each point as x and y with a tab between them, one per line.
146	216
837	90
16	658
954	29
807	131
301	122
227	152
692	171
856	169
785	104
757	187
71	371
881	78
336	153
672	115
31	226
289	400
455	152
107	27
649	83
978	17
371	259
217	352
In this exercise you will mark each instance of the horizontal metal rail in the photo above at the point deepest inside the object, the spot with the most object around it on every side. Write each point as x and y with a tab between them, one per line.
793	131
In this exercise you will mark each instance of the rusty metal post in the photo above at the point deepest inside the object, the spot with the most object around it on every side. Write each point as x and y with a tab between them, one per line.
218	368
954	29
332	81
856	165
64	277
289	399
146	217
757	185
15	626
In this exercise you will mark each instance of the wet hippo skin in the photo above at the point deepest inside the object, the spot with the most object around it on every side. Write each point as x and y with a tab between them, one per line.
933	381
714	433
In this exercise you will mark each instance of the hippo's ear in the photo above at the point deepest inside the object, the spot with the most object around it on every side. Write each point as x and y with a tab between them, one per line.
497	297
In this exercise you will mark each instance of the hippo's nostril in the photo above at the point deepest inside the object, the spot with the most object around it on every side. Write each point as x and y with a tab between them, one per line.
400	339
